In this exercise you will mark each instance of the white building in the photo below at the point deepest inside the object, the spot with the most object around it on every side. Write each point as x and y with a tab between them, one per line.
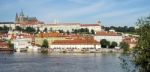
21	44
76	45
109	36
62	26
70	26
96	27
8	24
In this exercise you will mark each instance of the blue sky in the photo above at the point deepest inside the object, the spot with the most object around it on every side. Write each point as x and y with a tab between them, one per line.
109	12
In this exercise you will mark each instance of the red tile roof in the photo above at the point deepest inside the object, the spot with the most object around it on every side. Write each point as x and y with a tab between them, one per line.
104	33
50	34
57	24
90	25
78	41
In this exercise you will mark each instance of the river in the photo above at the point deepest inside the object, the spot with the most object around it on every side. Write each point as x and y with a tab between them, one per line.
59	62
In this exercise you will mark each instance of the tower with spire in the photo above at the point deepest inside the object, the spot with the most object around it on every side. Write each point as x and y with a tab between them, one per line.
21	18
16	19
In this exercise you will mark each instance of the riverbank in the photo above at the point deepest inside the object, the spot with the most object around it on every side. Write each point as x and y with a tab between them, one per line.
102	50
6	49
48	50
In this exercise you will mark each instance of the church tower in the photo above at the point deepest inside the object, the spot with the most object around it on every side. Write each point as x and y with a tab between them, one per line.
17	18
21	16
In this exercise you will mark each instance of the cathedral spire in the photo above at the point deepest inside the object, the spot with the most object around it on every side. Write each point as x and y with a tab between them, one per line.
16	17
22	14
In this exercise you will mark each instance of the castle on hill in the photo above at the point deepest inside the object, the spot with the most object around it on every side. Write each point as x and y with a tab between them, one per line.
26	21
22	19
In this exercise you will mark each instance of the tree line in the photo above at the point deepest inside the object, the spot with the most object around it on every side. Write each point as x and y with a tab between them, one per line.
107	44
124	29
4	29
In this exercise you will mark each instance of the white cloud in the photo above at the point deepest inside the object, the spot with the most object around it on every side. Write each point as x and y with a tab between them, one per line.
83	1
76	12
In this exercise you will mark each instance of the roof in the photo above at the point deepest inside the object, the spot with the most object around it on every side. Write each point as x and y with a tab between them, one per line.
105	33
50	34
57	24
77	41
90	25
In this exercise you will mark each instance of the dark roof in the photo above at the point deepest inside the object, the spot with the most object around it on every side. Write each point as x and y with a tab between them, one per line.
7	23
30	18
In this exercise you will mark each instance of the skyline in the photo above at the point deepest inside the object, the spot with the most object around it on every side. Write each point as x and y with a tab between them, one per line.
109	12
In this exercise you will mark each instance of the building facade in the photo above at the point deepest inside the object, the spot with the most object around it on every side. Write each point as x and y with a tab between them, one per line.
110	36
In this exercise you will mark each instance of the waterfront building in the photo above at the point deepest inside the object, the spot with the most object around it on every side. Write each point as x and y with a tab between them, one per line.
110	36
22	41
82	44
52	36
21	44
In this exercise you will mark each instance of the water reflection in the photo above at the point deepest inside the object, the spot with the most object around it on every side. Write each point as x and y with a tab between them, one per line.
59	62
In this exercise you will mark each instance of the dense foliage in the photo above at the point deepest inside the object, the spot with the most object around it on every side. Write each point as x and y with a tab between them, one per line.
10	44
4	29
124	29
104	43
113	44
45	44
124	46
142	51
83	31
27	29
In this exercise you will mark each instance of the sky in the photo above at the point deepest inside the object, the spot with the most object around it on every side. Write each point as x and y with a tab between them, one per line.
109	12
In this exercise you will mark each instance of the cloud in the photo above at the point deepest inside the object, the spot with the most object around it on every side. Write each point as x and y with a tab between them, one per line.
83	1
76	12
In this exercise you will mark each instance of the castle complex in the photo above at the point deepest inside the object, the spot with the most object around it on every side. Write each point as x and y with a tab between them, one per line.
26	21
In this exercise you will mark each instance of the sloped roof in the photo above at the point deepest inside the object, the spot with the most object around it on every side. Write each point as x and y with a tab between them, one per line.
78	41
105	33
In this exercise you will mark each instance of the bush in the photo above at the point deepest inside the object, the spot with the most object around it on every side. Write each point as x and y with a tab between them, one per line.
124	46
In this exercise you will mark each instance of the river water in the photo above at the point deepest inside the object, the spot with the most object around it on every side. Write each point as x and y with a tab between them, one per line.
68	62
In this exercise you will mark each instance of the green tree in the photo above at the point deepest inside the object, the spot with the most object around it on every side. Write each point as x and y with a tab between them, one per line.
68	32
142	51
30	30
76	31
104	43
124	46
61	31
92	32
113	44
10	44
45	30
51	29
87	31
38	30
45	44
18	28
